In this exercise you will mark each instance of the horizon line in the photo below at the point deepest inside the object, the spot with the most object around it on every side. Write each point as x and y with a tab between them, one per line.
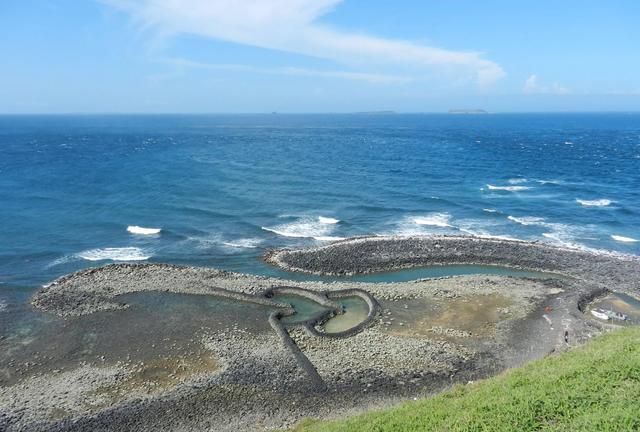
373	112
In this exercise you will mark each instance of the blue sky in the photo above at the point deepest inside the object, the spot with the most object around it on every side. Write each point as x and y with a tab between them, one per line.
318	55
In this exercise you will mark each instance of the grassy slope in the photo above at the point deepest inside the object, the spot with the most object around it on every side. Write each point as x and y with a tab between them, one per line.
592	388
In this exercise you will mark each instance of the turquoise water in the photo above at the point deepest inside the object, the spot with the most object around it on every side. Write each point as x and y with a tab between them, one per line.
223	189
305	308
407	274
355	311
449	270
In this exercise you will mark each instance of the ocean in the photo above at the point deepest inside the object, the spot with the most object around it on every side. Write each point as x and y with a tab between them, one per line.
218	190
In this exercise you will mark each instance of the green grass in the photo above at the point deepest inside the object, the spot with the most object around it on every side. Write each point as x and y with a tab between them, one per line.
592	388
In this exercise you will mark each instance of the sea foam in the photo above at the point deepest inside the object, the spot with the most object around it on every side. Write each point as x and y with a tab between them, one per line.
528	220
517	180
624	239
442	220
484	228
134	229
594	203
329	238
3	305
62	260
429	223
508	188
115	254
557	233
243	243
319	228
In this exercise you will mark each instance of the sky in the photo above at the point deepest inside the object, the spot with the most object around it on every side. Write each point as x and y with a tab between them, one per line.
305	56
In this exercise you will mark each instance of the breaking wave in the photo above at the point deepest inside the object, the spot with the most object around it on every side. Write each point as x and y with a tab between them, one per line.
115	254
442	220
319	228
594	203
243	243
329	238
624	239
558	234
62	260
430	223
483	228
528	220
553	182
134	229
508	188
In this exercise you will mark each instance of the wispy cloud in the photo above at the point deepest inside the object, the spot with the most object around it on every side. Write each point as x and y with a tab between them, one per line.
371	78
292	26
533	86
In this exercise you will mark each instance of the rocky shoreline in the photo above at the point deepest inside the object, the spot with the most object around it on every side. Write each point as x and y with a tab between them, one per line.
418	338
364	255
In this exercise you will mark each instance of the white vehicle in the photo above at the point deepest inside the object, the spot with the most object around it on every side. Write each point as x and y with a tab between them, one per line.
606	315
599	313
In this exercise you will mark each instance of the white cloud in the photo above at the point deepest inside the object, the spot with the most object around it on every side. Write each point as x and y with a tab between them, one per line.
532	86
291	71
291	26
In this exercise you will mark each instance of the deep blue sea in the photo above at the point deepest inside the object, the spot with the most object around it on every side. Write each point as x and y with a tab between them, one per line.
223	188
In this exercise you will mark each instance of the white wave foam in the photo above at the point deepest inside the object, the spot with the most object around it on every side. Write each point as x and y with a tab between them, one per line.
62	260
517	180
484	228
594	203
114	254
554	182
3	305
528	220
329	238
328	220
488	210
624	239
134	229
486	235
508	188
559	241
434	219
558	233
205	242
430	223
215	241
304	227
564	237
404	231
243	243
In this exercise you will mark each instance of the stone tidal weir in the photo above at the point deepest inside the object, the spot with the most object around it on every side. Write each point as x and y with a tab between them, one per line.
164	347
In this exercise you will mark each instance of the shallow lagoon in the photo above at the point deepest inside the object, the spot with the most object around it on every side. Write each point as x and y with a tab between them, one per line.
406	275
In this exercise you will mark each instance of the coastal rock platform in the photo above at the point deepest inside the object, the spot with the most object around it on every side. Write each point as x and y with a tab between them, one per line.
245	368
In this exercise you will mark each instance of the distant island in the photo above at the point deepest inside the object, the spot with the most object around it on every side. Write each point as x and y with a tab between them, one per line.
376	112
467	111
